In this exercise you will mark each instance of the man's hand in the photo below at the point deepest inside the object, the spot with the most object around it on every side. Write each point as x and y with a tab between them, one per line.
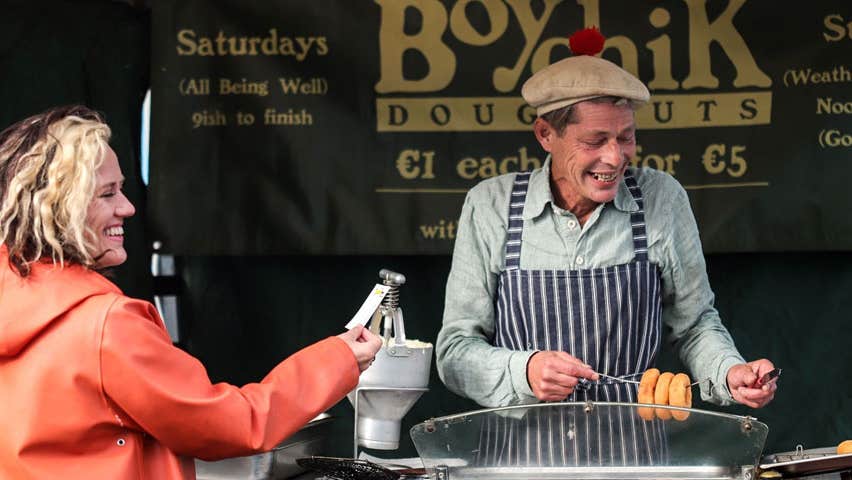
364	344
743	383
553	375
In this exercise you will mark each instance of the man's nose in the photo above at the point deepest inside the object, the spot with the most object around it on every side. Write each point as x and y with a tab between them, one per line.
612	154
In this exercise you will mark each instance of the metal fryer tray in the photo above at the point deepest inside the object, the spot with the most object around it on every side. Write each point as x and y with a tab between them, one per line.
278	463
807	462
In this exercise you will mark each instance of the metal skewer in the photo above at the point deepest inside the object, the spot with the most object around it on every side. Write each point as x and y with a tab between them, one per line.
618	378
621	379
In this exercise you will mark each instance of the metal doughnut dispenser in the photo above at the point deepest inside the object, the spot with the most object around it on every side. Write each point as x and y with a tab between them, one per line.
397	378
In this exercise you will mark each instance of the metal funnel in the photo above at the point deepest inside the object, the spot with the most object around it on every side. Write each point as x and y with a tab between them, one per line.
386	392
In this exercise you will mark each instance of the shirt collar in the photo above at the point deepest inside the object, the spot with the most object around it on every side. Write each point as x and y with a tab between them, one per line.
539	194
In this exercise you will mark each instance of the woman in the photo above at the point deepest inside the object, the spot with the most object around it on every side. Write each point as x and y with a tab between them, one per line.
91	384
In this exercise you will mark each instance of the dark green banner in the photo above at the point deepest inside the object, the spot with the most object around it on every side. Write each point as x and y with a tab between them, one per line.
338	127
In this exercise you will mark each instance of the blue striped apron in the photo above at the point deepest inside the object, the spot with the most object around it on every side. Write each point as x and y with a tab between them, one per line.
608	317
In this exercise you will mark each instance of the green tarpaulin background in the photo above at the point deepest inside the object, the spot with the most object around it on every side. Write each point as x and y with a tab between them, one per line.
403	105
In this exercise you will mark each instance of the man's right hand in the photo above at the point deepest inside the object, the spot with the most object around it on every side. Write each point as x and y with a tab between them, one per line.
364	344
554	375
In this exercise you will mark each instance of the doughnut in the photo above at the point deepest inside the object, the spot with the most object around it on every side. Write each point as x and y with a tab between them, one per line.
661	395
844	447
680	395
646	392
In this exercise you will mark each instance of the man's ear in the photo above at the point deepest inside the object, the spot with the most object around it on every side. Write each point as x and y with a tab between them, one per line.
544	133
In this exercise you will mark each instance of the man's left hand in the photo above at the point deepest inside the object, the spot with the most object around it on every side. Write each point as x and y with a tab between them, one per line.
744	386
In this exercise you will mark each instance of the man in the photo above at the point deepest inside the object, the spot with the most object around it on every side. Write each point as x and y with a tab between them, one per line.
565	277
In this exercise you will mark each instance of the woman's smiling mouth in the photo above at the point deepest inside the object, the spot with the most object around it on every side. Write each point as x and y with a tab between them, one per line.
115	233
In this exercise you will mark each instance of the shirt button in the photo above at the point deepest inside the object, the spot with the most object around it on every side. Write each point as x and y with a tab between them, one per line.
572	224
579	260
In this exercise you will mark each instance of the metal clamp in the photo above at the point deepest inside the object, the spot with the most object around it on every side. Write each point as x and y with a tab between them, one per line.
442	472
746	425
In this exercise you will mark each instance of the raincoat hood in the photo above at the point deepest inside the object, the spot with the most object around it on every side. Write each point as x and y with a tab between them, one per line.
30	305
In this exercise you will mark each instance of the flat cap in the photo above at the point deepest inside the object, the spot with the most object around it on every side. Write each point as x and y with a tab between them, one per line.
578	78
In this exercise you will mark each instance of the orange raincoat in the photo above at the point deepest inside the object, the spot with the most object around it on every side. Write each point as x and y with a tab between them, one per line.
91	386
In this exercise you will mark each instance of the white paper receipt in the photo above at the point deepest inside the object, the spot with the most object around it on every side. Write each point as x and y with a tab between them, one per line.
365	313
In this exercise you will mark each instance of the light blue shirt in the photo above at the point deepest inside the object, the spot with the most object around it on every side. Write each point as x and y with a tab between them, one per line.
471	366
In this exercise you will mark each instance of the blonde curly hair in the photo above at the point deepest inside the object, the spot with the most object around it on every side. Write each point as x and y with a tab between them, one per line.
48	165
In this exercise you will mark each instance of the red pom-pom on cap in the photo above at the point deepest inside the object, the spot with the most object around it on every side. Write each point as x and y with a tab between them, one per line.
587	41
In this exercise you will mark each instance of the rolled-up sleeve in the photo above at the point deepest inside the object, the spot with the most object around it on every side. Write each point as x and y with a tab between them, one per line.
168	394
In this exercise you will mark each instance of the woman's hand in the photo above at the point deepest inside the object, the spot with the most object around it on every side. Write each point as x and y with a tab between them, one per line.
364	344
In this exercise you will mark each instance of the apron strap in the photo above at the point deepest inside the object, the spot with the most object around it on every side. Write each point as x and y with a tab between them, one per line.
516	220
637	219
